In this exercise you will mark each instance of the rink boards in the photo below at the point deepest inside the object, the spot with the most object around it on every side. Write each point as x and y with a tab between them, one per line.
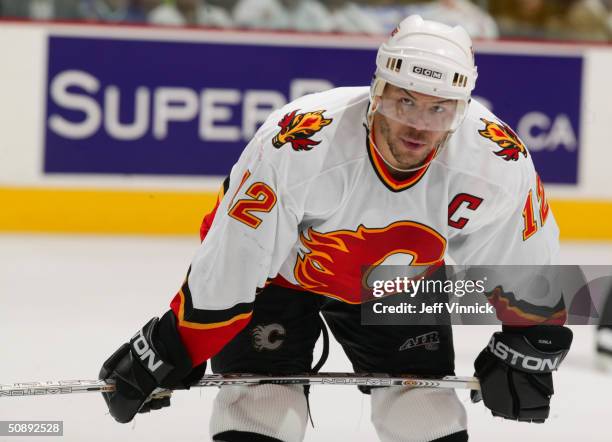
130	130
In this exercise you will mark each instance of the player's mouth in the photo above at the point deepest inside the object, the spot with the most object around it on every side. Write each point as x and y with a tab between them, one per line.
412	144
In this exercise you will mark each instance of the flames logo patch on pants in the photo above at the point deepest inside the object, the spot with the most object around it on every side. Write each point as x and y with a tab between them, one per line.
268	337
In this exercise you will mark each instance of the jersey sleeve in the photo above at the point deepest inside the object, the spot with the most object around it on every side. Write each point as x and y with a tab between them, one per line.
516	244
210	216
245	240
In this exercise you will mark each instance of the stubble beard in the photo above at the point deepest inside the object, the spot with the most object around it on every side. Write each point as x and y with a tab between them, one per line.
405	160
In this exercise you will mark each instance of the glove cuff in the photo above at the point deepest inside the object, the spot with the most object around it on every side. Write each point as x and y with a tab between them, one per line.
545	338
160	351
517	351
143	349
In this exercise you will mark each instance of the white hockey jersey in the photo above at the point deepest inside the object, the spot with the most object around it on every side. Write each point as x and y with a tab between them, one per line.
310	202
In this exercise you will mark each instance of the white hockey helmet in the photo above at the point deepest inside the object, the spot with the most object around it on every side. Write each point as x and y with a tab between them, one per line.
431	58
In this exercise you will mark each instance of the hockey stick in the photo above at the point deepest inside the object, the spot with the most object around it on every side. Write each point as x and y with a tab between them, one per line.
217	380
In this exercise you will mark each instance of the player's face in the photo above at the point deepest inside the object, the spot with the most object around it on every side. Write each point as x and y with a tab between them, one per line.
409	125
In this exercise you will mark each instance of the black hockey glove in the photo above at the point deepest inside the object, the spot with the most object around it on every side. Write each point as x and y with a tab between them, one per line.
515	371
154	358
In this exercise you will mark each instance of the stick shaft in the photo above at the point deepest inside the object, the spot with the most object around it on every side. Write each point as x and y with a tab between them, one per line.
215	380
367	379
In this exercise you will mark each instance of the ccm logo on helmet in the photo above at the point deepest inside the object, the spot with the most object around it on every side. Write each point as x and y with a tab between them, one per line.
427	72
145	353
515	358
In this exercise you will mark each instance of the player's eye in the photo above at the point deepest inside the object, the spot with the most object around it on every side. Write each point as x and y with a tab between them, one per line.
407	102
437	109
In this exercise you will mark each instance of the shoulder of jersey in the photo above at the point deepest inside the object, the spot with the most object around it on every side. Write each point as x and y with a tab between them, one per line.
487	148
302	133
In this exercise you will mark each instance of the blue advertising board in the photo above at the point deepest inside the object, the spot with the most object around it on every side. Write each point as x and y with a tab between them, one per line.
189	108
199	105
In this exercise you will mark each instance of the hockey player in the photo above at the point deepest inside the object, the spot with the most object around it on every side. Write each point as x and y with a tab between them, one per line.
409	170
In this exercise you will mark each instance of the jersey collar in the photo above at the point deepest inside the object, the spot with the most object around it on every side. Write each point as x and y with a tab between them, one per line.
382	170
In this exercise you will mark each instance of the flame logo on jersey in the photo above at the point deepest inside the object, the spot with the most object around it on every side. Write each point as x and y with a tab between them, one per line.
501	134
335	262
298	128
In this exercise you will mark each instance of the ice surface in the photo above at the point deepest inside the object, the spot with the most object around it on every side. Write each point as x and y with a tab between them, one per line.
67	302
